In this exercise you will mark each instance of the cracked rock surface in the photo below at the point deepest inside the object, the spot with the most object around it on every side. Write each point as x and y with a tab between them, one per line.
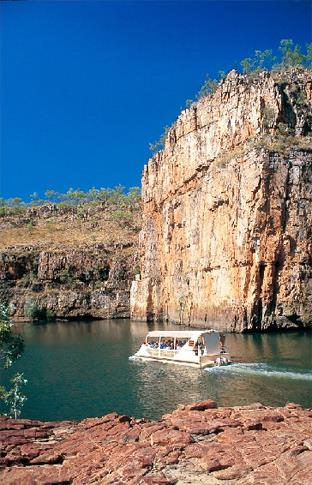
196	444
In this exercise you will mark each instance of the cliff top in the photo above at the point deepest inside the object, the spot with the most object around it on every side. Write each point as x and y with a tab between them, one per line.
293	83
261	109
56	226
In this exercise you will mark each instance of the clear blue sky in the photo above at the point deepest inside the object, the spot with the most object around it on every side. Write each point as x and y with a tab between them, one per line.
86	85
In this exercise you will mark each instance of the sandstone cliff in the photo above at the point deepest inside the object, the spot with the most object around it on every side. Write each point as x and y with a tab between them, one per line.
198	444
68	262
226	239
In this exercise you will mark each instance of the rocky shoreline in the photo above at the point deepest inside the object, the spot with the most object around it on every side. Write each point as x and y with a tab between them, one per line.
196	444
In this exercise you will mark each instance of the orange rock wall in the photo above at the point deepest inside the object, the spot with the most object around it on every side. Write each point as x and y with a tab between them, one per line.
226	239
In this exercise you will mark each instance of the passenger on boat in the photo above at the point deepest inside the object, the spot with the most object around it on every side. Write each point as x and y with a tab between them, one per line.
152	344
180	343
166	345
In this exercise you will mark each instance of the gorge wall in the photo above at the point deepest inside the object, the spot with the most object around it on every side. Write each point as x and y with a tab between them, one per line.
68	262
227	219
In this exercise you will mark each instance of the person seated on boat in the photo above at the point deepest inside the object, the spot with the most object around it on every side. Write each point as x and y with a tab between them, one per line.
169	345
164	345
152	344
179	344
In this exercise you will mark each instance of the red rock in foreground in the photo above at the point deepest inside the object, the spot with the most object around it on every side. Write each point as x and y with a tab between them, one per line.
198	444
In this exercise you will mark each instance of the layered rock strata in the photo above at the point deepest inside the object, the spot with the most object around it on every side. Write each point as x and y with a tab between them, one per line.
199	444
67	263
227	210
92	282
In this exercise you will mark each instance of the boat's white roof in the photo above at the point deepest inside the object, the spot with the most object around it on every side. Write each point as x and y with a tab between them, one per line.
179	333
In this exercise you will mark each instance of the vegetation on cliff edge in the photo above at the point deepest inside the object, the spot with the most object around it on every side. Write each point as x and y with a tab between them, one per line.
110	197
288	55
72	219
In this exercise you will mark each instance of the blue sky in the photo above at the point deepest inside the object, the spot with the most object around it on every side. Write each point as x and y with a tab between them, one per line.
86	85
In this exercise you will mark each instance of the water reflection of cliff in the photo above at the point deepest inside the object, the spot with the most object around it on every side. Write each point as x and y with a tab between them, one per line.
280	348
75	331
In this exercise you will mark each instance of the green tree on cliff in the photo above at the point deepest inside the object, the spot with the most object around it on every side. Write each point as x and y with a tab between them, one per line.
291	54
11	348
159	144
287	55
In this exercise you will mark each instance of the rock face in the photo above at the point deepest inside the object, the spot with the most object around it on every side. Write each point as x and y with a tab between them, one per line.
198	444
67	267
227	210
90	282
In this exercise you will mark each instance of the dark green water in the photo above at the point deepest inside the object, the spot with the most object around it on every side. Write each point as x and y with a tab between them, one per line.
80	369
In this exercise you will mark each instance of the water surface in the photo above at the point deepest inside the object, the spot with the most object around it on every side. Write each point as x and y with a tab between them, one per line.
80	369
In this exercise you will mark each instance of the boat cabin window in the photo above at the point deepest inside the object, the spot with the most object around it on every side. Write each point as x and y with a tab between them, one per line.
152	342
180	342
166	343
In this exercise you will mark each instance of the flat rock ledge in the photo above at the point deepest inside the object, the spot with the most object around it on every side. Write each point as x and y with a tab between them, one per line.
196	444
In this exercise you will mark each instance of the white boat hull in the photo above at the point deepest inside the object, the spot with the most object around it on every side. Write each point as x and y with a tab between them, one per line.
188	358
164	361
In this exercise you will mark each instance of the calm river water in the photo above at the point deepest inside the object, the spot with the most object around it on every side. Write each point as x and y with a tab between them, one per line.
80	369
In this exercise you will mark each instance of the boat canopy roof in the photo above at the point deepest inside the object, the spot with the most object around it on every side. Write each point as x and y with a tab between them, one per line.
180	333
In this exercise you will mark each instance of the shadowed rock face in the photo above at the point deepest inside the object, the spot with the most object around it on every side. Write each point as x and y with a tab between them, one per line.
199	444
90	282
227	210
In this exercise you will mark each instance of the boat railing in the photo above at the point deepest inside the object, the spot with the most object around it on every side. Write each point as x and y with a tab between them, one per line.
162	352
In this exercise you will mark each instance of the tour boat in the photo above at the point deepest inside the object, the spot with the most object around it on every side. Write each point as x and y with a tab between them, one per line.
202	348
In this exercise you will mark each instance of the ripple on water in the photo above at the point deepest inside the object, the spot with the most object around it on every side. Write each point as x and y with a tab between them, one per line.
263	370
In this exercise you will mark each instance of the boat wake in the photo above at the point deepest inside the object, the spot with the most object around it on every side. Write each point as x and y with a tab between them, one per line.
262	369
